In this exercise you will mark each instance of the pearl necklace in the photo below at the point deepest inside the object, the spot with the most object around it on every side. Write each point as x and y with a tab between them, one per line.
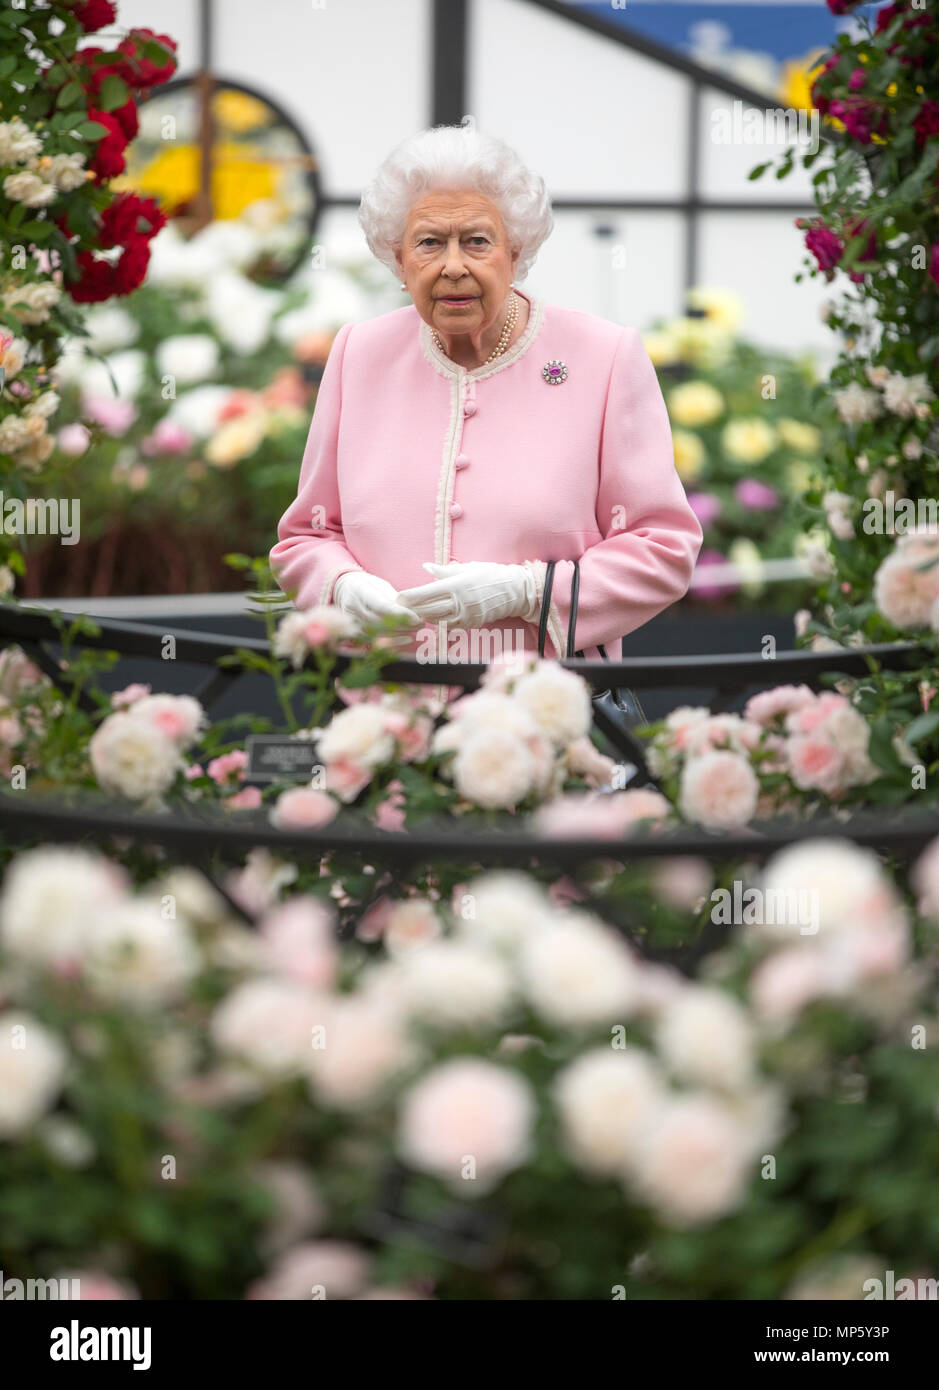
506	334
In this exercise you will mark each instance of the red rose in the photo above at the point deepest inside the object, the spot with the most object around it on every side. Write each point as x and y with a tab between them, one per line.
94	14
119	221
108	158
825	247
126	117
926	123
857	228
885	15
95	282
144	71
822	103
861	118
132	267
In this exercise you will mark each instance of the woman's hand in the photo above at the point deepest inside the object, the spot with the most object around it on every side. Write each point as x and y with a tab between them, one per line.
475	592
368	598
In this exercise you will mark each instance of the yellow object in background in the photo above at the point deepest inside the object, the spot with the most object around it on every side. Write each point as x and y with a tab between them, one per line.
240	177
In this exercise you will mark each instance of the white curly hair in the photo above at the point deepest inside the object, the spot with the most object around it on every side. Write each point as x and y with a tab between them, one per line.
456	156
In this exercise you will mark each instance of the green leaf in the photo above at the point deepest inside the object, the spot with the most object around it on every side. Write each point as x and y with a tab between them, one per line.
70	93
880	749
91	130
759	170
7	65
114	92
922	726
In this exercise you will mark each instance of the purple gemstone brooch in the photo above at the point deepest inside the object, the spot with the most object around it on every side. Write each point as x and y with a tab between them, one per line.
554	372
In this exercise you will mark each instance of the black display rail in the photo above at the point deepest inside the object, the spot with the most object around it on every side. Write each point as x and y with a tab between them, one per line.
203	841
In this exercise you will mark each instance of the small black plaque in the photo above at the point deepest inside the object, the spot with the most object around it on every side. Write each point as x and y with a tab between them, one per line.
279	758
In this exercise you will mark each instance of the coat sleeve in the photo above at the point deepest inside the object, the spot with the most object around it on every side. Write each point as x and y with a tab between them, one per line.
651	536
311	551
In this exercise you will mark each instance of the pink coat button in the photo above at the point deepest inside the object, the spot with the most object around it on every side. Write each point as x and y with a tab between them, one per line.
455	510
469	407
461	461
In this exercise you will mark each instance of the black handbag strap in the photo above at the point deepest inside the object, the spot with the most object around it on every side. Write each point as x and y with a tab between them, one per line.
545	605
572	621
572	624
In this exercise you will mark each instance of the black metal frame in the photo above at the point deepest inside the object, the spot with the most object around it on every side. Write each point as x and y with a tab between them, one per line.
199	840
450	20
730	674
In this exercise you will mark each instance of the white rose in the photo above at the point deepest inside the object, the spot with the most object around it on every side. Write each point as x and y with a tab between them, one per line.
604	1099
469	1123
719	790
111	328
693	1161
31	303
826	886
44	406
66	171
453	985
579	973
131	757
559	701
270	1023
139	957
363	1046
50	900
188	358
493	769
359	734
502	909
29	189
32	1067
705	1036
127	368
17	142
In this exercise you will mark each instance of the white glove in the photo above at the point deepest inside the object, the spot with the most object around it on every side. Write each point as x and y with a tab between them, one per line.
368	598
472	593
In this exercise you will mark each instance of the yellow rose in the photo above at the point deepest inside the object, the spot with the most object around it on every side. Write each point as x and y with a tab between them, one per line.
800	474
745	555
700	341
805	439
690	456
695	403
661	347
236	439
722	308
748	440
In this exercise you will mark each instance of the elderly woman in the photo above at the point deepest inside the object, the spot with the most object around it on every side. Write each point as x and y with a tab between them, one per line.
460	442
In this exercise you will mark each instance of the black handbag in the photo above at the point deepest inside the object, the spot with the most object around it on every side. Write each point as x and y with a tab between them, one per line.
616	712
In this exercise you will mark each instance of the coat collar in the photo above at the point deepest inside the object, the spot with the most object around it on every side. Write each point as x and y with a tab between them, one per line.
446	367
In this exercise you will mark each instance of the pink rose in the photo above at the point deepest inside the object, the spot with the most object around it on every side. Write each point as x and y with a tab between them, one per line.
73	439
131	693
303	808
248	799
110	412
346	778
297	940
228	767
390	812
815	762
167	437
373	922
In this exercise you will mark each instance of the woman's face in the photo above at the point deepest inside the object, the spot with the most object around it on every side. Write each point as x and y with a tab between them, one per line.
455	248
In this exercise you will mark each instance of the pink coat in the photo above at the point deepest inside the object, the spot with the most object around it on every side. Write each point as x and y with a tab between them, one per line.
411	457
